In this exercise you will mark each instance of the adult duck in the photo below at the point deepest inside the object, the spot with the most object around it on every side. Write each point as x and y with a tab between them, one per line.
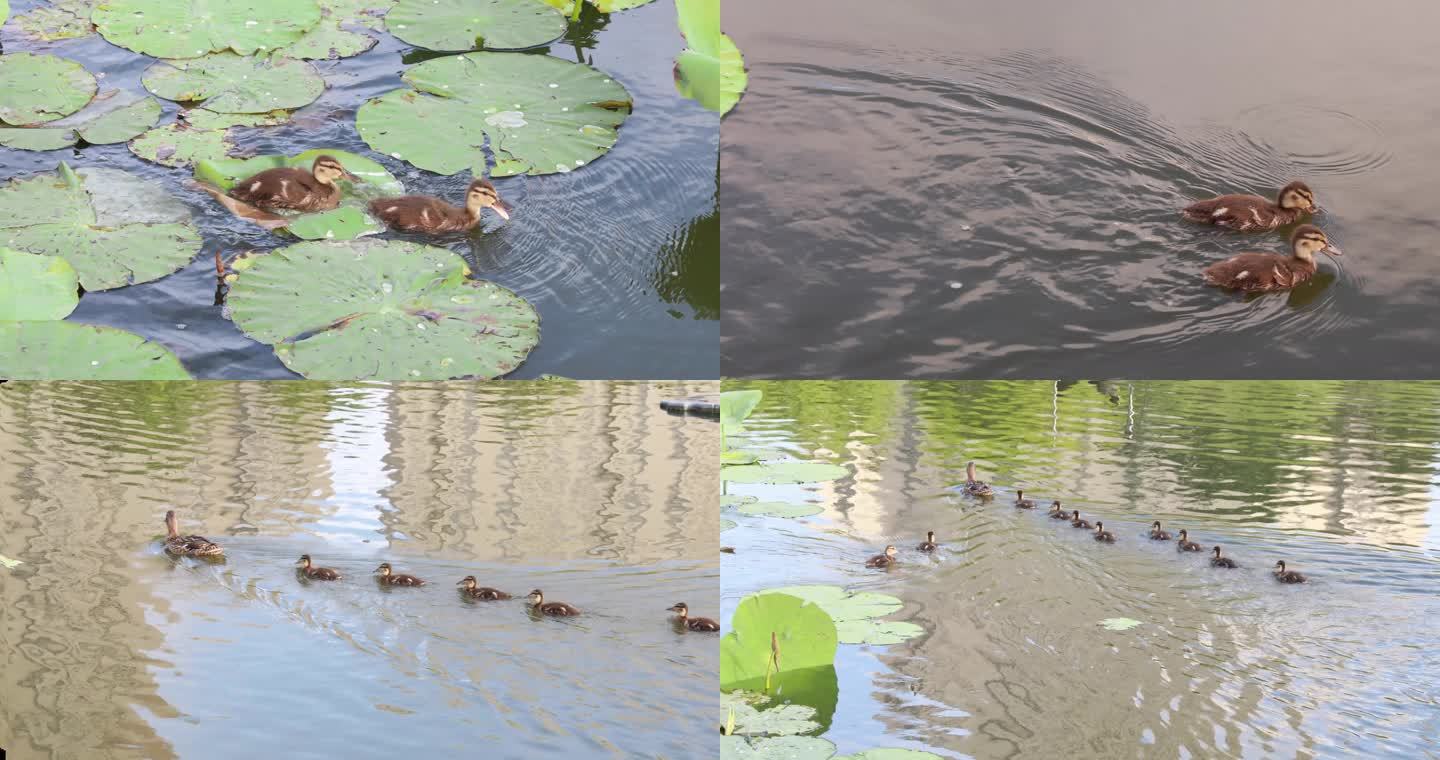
974	486
187	546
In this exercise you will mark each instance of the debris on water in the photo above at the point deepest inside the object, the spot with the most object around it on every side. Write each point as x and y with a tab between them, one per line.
955	285
1119	624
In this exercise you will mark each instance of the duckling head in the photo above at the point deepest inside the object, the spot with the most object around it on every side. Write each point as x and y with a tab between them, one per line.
327	169
679	608
1055	506
1019	495
1280	566
1217	551
1309	240
467	582
383	569
1155	525
304	561
890	551
1099	527
482	195
1298	195
1184	534
536	596
930	536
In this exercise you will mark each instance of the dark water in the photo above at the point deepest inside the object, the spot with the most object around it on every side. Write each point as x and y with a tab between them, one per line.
1339	479
109	649
622	260
991	189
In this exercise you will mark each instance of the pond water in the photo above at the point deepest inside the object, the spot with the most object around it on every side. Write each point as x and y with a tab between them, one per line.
621	259
1341	480
109	649
979	189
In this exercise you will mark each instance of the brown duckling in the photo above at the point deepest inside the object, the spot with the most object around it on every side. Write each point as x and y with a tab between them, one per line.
928	545
315	573
560	609
295	189
1102	535
187	546
1287	576
1219	561
1186	545
1266	272
1251	212
389	578
1076	521
423	213
975	487
468	588
882	560
1156	534
1021	502
1056	513
682	617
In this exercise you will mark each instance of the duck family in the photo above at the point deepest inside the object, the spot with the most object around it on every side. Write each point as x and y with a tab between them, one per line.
1257	272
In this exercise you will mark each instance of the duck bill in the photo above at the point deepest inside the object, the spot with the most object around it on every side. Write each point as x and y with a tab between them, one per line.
461	583
1332	250
352	176
502	209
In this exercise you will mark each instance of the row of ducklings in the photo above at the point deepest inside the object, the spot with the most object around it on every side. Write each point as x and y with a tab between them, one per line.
981	490
199	546
1264	272
295	189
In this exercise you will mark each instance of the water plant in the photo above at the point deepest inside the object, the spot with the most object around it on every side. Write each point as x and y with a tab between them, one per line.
192	28
710	70
35	89
460	25
771	636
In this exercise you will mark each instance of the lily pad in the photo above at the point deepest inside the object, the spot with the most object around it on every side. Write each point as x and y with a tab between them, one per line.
778	720
879	632
475	24
842	605
336	36
204	118
726	525
37	138
59	20
230	83
730	500
36	287
347	222
778	473
1119	624
776	748
114	119
540	115
780	509
710	70
380	309
35	89
179	145
56	350
738	456
803	631
114	228
191	28
890	754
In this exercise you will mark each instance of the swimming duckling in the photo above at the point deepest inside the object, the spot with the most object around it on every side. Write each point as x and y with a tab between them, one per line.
1076	521
1287	576
928	545
315	573
1266	272
1102	535
187	546
976	487
423	213
1186	545
1021	502
682	617
469	589
396	579
1251	212
560	609
1156	534
1056	513
1219	561
297	189
882	560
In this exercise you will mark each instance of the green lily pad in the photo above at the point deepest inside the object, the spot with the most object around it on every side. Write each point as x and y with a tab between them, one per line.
35	89
121	123
336	36
37	138
890	754
540	115
1119	624
56	350
710	70
204	118
879	632
610	6
805	634
114	228
380	309
347	222
36	287
475	24
842	605
738	456
114	119
730	500
779	473
776	748
778	720
179	145
192	28
780	509
59	20
230	83
726	525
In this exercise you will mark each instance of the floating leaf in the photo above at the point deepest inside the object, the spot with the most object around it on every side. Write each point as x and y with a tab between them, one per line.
610	6
122	122
111	118
191	28
380	309
842	605
778	473
780	509
204	118
347	222
710	70
779	720
230	83
735	407
738	457
878	632
36	287
776	748
726	525
804	633
1119	624
37	138
890	754
333	36
55	350
475	24
60	20
179	145
35	89
730	501
541	115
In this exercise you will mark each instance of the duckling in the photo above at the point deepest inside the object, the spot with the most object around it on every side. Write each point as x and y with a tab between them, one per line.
928	545
1251	212
1266	272
1056	513
1287	576
976	487
396	579
560	609
1219	561
423	213
1156	534
682	617
1021	502
295	189
469	589
315	573
1076	521
1186	545
187	546
882	560
1102	535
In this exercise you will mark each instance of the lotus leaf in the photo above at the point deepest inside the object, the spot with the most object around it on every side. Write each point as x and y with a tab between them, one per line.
381	309
780	509
710	70
776	473
60	20
776	748
192	28
230	83
475	24
726	525
735	407
36	287
333	36
112	120
879	632
37	138
35	89
779	720
729	501
179	145
347	222
114	228
842	605
610	6
890	754
803	632
204	118
540	115
56	350
738	456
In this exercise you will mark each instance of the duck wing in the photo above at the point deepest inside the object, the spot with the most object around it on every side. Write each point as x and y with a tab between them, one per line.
1259	272
418	213
1237	212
